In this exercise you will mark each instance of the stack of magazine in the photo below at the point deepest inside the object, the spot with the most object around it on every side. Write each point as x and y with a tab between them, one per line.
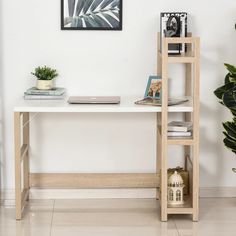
180	129
157	102
37	94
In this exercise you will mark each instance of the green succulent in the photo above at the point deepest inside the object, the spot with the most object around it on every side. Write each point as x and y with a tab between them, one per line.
44	73
227	97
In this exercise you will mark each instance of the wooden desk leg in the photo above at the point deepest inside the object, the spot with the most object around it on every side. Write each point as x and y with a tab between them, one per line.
26	158
17	134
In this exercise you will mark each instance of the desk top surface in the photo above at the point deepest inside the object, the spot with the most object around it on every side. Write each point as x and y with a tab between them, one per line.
126	105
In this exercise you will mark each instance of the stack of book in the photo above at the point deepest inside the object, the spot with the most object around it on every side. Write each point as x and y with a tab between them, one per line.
180	129
37	94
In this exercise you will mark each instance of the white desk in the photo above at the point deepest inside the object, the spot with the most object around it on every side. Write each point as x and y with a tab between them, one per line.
68	180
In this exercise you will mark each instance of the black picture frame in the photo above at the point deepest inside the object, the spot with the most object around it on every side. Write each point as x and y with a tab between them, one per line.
101	24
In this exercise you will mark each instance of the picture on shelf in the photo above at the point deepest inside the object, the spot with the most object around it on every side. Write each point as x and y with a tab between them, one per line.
174	24
91	14
153	89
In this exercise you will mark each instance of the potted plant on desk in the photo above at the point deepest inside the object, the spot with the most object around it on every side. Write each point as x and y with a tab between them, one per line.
45	76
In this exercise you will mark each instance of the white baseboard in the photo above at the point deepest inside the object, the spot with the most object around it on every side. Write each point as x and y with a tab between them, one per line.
9	194
218	192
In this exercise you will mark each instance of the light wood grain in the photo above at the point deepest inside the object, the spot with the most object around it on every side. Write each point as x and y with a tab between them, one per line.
180	141
190	144
24	196
17	137
26	143
164	121
23	151
196	131
67	180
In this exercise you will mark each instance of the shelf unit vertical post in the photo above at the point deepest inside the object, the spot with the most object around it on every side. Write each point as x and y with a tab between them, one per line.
164	121
196	107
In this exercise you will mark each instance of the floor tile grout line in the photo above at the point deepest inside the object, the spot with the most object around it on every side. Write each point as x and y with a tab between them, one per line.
52	216
176	228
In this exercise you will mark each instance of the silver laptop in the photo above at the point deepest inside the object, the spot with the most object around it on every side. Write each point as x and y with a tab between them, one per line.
94	100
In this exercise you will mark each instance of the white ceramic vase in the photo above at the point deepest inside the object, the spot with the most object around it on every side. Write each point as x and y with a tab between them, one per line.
44	84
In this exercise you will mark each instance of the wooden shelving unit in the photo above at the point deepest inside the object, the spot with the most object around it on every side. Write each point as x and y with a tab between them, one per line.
191	59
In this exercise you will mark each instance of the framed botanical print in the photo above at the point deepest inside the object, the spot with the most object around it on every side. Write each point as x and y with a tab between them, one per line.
91	14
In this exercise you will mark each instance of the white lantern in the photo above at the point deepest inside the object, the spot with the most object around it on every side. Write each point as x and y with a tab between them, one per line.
175	189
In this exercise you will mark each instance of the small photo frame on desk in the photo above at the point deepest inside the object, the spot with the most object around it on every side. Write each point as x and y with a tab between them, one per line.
153	89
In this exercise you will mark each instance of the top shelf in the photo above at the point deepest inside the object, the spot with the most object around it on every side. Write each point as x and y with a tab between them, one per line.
187	57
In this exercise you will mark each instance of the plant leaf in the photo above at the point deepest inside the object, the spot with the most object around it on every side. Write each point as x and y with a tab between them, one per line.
71	7
230	144
101	21
79	7
87	5
106	3
219	92
114	23
230	128
227	80
229	101
67	20
95	4
116	3
230	68
90	22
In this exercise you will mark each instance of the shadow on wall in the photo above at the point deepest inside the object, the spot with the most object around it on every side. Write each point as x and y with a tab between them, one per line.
212	146
1	101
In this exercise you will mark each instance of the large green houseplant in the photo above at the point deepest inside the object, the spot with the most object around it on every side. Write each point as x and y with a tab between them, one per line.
227	97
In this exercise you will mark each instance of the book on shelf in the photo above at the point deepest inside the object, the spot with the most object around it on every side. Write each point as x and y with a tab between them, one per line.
173	24
53	92
157	102
180	126
179	134
43	97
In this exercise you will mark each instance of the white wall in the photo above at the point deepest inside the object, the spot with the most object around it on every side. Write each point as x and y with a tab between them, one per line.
111	63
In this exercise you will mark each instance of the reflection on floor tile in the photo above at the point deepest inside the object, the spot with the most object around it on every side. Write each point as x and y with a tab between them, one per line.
110	217
115	217
114	231
217	218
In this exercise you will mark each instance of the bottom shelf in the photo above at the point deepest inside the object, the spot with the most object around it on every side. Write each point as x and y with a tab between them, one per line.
185	208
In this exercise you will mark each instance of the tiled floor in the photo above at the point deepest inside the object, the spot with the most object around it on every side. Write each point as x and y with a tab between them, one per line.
116	217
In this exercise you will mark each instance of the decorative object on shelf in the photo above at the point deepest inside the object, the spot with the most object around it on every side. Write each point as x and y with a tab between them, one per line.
153	89
45	76
175	189
185	176
157	102
227	97
179	129
174	24
180	126
91	15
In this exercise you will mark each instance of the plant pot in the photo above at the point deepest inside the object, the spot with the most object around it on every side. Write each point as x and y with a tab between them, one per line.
44	84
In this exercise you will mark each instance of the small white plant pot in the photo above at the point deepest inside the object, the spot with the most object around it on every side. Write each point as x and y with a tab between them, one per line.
44	84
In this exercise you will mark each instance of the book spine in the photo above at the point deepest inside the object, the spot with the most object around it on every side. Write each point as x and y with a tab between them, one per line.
49	93
177	129
179	134
38	97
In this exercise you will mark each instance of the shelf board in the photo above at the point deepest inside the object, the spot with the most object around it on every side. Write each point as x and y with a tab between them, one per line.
180	141
187	57
185	208
126	105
